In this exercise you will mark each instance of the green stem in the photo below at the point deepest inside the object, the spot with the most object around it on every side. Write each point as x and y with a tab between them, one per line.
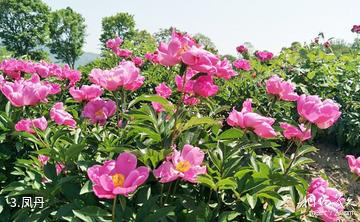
168	194
292	161
161	194
113	209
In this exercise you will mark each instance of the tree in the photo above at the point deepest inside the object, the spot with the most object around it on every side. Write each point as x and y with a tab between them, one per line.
122	24
67	35
23	26
206	42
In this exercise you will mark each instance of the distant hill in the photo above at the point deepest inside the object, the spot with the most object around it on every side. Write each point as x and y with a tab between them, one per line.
86	58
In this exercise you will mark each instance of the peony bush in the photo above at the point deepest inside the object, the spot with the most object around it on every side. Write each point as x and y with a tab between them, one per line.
97	148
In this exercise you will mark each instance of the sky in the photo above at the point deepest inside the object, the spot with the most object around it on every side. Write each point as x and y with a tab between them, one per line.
267	24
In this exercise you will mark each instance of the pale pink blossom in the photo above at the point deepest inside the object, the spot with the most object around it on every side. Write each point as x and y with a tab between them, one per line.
60	116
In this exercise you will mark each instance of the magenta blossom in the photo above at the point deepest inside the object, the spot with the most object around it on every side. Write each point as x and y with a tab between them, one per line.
86	92
28	125
164	91
43	159
117	177
356	29
153	57
284	89
98	111
322	113
293	132
264	56
186	165
114	43
200	60
205	87
126	75
60	116
26	92
242	64
327	203
241	49
354	164
246	119
137	61
224	69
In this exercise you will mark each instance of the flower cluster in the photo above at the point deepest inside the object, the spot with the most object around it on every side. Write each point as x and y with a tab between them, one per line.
324	201
121	177
14	68
241	49
114	45
28	125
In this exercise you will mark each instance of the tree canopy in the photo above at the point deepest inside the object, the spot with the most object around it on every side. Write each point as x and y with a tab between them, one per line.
24	26
67	35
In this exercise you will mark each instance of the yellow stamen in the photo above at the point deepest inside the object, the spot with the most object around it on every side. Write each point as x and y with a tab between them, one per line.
183	166
99	113
118	180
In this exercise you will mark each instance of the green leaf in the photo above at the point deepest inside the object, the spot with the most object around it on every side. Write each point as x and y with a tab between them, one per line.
73	151
306	149
195	121
251	200
226	184
228	216
207	180
159	214
232	133
93	211
86	188
154	98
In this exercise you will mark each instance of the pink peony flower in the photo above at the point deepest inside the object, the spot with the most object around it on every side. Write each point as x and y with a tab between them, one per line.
354	164
225	70
114	43
356	29
163	90
26	92
170	54
241	49
293	132
153	57
43	159
205	87
186	165
322	113
264	56
124	53
28	125
86	92
284	89
327	203
190	100
59	168
126	75
200	60
137	61
117	177
246	119
60	116
98	111
242	64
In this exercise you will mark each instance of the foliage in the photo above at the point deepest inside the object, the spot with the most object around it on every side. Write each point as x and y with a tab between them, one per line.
121	24
67	35
24	26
